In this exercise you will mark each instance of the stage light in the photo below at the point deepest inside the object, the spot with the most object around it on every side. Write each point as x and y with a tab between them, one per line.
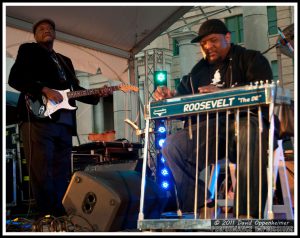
165	185
161	129
164	172
160	133
160	78
161	142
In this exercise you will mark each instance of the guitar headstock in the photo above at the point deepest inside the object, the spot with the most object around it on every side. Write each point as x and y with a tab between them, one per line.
126	87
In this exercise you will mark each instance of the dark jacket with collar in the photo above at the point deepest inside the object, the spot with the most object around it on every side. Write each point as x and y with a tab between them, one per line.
35	69
242	66
246	66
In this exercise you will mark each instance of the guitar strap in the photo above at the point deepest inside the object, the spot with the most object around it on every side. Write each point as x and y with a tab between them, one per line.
74	78
66	116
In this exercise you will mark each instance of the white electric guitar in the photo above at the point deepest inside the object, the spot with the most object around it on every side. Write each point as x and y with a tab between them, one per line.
43	107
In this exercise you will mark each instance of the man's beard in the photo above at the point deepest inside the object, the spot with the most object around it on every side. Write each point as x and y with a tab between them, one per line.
214	61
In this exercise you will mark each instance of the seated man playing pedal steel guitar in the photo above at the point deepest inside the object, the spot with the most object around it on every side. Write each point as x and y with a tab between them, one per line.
37	71
224	65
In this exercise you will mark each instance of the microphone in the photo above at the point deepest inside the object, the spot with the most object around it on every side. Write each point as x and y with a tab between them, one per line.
138	131
284	41
132	124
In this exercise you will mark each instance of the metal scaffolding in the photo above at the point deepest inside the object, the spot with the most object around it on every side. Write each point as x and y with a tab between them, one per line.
152	60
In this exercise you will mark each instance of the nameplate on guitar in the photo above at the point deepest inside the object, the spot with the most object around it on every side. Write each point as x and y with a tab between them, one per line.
217	101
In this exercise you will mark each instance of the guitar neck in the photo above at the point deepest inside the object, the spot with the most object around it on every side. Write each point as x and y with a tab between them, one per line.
96	91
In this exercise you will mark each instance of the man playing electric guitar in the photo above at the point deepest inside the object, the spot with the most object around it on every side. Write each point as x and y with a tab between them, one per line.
41	72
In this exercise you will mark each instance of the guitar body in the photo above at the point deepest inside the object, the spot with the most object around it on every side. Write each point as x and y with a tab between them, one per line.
43	107
52	107
37	106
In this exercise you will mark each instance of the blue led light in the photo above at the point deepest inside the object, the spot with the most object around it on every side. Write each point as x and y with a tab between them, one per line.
164	172
165	185
161	142
214	181
161	129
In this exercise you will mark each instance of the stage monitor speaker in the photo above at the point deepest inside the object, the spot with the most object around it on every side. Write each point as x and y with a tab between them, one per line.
110	201
116	166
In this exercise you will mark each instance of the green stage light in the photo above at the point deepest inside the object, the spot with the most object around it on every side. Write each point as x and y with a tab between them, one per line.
160	78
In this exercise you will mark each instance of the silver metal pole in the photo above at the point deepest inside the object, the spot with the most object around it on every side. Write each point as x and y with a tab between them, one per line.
216	168
197	171
270	162
248	163
260	125
237	160
143	182
226	167
206	164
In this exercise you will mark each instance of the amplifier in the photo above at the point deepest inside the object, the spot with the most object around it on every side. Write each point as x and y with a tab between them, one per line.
80	161
103	153
122	165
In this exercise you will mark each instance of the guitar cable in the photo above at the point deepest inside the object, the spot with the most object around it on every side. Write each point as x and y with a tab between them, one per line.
29	156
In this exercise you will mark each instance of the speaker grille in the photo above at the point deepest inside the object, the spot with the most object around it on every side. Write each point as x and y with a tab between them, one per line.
109	201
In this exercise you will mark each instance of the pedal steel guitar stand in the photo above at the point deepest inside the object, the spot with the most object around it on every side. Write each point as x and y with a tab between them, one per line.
225	100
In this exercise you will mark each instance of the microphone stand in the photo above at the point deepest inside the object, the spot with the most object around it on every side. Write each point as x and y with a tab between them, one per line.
276	45
282	42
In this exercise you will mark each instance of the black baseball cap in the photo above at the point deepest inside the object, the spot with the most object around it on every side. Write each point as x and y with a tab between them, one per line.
212	26
36	24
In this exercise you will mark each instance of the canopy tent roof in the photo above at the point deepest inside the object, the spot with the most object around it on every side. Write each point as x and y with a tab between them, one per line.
95	37
121	31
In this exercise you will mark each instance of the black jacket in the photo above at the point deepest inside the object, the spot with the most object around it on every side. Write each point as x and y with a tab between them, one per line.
241	66
246	66
35	69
